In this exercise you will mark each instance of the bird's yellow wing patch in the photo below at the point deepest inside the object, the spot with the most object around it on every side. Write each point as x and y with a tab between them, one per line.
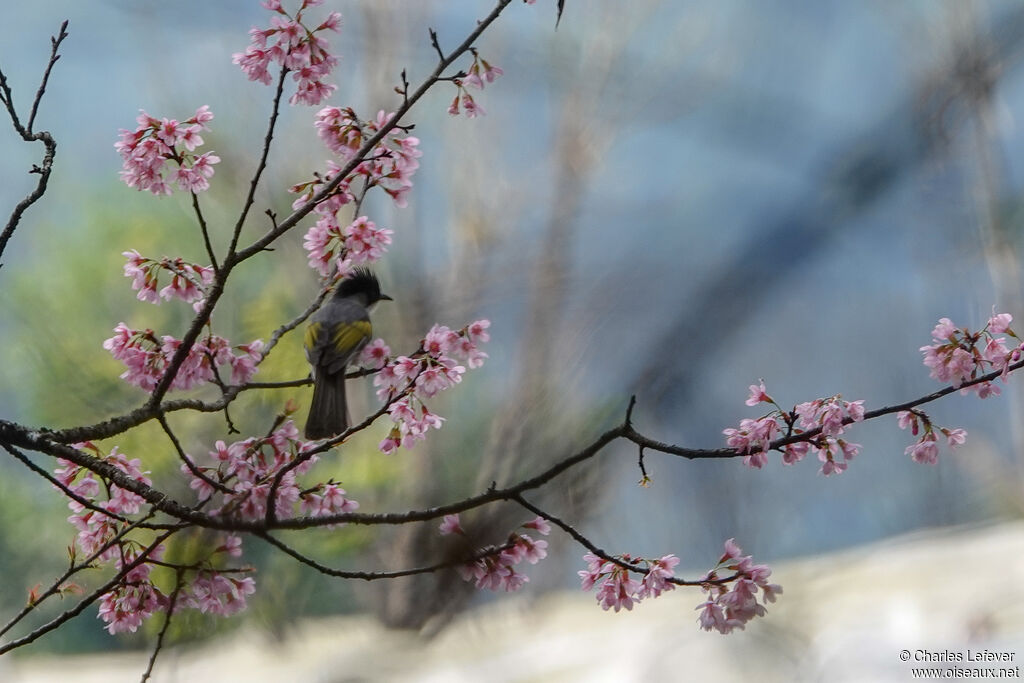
312	332
348	336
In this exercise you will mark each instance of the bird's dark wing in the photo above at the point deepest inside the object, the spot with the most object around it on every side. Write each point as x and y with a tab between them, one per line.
336	335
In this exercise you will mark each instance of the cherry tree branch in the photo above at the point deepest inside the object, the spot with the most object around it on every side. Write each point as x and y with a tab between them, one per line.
374	576
27	134
589	545
16	435
203	228
267	140
55	42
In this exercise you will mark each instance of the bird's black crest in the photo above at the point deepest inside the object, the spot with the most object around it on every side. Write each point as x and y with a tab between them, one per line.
361	281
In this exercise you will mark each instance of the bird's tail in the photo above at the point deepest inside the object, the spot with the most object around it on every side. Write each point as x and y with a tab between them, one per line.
328	414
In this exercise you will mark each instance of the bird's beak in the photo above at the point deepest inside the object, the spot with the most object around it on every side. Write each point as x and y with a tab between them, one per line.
385	297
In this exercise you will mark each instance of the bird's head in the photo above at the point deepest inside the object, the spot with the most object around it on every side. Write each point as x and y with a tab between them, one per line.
363	286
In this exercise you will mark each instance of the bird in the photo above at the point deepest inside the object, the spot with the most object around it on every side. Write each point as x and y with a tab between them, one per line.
335	336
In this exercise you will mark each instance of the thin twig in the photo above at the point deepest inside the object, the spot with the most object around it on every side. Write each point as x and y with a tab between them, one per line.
7	97
254	183
589	545
292	324
374	576
55	42
179	582
192	467
206	232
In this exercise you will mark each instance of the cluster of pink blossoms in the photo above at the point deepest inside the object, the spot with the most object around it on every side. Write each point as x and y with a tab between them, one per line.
926	450
616	587
148	357
333	248
188	280
136	598
147	150
407	381
295	47
958	355
94	528
731	605
481	73
390	165
498	570
243	474
831	416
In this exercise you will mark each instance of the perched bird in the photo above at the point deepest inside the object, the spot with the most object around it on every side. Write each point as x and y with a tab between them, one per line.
335	336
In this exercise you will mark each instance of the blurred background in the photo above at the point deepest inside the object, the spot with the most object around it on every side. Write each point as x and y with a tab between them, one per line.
672	200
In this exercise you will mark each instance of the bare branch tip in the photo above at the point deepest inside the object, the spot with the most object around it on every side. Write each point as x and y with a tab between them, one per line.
629	410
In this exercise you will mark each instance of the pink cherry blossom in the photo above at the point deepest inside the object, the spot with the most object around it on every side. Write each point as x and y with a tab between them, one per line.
999	323
907	418
126	606
618	590
955	437
375	355
924	451
472	109
451	525
540	525
656	581
291	44
215	593
408	382
159	150
731	605
758	395
391	164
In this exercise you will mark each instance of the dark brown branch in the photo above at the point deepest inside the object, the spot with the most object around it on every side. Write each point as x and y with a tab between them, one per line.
374	576
436	44
20	436
37	193
122	423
